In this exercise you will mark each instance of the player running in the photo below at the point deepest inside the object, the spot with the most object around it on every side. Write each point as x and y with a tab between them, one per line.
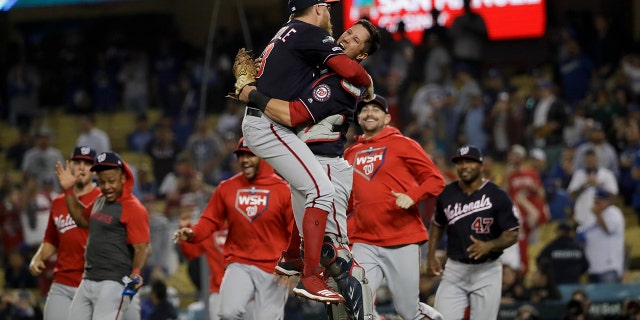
481	221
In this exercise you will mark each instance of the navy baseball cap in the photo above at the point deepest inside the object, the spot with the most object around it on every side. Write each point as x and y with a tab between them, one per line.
106	161
242	147
377	100
83	153
299	5
470	152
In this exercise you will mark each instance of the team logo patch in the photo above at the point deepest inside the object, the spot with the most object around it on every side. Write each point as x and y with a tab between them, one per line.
368	162
102	157
328	39
219	238
252	202
85	150
322	93
464	150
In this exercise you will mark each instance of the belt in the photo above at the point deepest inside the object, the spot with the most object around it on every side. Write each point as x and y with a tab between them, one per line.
253	112
471	261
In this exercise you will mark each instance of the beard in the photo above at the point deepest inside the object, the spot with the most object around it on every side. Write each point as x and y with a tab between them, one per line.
327	26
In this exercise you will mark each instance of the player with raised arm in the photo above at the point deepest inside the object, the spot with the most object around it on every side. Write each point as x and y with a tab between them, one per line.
118	240
288	66
480	221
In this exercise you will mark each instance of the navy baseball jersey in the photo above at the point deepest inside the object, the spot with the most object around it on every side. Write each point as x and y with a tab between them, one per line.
297	47
329	95
484	214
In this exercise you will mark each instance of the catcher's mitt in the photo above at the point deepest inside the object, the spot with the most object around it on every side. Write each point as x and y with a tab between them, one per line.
244	70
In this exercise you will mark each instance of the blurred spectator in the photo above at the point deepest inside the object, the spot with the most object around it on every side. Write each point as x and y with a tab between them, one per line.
138	139
10	210
16	151
548	120
163	150
160	236
584	184
426	102
447	122
19	305
170	181
576	72
543	284
527	192
229	166
205	150
602	109
473	122
437	66
134	77
631	309
162	308
573	133
627	182
104	84
16	272
36	215
597	141
145	185
604	240
91	136
513	288
469	36
229	121
187	109
165	68
527	312
562	171
631	68
605	47
43	156
565	255
469	87
497	123
23	82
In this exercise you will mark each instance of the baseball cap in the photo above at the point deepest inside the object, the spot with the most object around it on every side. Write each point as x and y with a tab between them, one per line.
83	153
377	100
106	161
470	152
299	5
538	154
242	146
519	150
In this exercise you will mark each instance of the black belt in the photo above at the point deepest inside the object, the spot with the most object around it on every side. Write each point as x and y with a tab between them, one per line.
254	112
472	261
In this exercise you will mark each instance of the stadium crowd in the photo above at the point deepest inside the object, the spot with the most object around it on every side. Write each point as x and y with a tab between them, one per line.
562	137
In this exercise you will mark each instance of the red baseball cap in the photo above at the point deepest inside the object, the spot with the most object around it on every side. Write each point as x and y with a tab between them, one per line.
242	147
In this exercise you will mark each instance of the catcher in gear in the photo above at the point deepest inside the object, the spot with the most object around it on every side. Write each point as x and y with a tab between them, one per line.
289	65
331	99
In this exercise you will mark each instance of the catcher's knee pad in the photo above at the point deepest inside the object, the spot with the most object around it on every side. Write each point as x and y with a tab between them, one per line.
349	277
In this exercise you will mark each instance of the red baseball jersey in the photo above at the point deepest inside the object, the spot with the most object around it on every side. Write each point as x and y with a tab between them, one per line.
70	240
213	250
528	181
389	162
258	214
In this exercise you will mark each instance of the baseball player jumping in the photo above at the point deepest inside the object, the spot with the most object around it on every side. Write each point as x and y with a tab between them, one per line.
333	100
481	221
289	64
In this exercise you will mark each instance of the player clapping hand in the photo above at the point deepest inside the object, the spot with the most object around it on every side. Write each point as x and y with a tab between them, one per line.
403	200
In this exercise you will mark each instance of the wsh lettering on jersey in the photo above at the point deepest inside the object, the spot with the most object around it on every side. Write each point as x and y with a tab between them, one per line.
252	202
458	210
368	162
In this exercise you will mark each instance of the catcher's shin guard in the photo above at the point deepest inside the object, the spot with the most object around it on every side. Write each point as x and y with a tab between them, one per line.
349	277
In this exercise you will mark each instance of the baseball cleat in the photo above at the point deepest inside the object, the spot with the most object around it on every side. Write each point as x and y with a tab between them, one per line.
289	266
314	288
